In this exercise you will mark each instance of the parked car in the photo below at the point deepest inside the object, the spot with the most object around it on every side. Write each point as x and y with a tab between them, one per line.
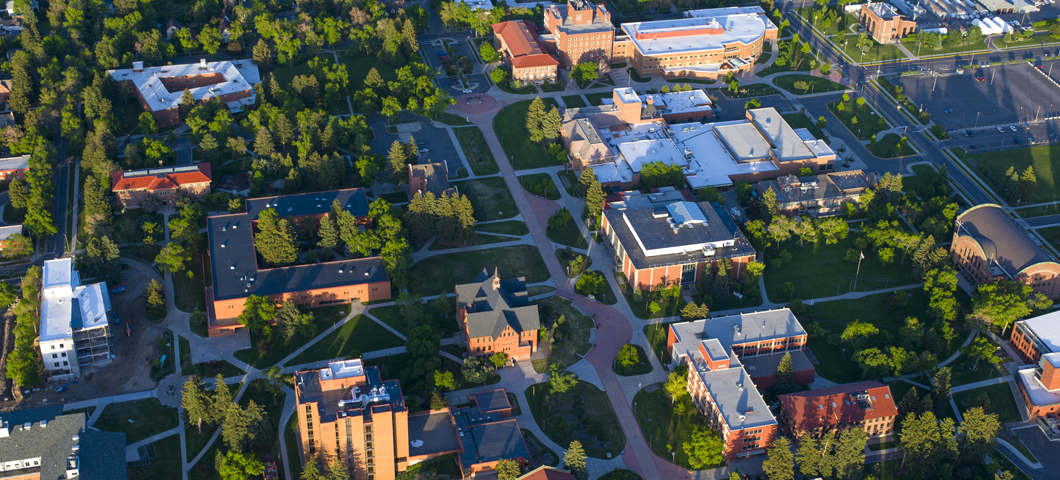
1017	141
424	150
1052	136
972	146
468	90
948	110
969	133
1013	127
1001	130
980	78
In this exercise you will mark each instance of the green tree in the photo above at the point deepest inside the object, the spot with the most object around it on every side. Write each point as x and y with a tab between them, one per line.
1028	181
833	229
476	370
156	301
173	258
498	359
810	456
654	308
781	462
18	194
237	466
310	471
507	469
561	382
927	443
245	429
258	312
574	460
849	456
784	380
276	239
704	448
337	470
676	385
627	356
196	402
444	380
940	391
977	435
489	54
857	333
291	321
1002	303
769	204
981	349
498	75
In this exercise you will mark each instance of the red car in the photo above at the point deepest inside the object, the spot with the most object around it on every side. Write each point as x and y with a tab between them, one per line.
1039	67
980	79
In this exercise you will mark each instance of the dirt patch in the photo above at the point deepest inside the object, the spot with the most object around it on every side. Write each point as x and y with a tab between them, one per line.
130	370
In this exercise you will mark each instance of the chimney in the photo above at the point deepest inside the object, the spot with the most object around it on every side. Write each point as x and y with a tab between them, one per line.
496	279
651	101
202	63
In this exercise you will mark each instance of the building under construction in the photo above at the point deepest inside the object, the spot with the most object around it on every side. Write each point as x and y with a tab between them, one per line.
74	321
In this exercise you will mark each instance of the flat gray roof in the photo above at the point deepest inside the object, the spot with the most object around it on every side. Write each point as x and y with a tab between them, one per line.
437	432
737	399
786	143
1047	328
744	141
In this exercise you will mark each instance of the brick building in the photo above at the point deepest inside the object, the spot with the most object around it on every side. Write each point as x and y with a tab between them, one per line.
582	32
666	238
883	22
160	89
236	274
707	43
167	184
1037	342
518	46
44	443
347	411
988	246
819	195
495	316
721	354
865	405
14	167
430	177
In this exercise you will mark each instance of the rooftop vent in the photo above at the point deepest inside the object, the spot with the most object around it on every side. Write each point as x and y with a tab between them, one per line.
43	423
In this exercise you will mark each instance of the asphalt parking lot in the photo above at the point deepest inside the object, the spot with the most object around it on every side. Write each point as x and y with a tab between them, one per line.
436	140
1007	95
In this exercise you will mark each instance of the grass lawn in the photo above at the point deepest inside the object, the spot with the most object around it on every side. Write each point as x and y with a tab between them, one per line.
568	234
443	323
799	62
539	290
607	297
868	123
480	239
875	53
454	120
575	337
655	415
205	369
541	185
1044	158
14	216
137	419
359	66
290	440
443	272
279	348
657	333
1051	235
596	99
510	125
975	47
360	334
1034	41
1002	402
925	176
963	373
555	87
572	179
585	415
818	270
528	89
167	465
642	367
394	366
190	291
816	84
880	446
622	473
1035	211
476	151
573	101
490	198
640	309
885	147
439	467
870	309
512	227
633	75
800	120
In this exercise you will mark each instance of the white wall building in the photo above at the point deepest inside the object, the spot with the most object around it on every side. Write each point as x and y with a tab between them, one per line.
74	326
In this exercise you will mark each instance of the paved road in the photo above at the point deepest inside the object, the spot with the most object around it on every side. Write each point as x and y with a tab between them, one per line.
56	244
1042	221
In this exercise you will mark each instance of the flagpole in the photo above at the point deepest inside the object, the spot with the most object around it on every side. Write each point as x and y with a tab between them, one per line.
861	256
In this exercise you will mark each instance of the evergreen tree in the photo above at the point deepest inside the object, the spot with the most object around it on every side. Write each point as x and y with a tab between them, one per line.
329	233
1010	184
276	240
508	469
156	301
849	456
1028	180
262	53
784	380
243	430
337	470
978	435
283	129
397	158
551	124
195	402
769	204
18	194
221	401
291	321
374	80
927	443
535	114
809	457
941	391
187	101
781	463
263	143
574	460
594	201
910	403
585	180
720	289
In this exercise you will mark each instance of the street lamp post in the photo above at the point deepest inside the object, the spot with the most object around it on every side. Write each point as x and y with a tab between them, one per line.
977	119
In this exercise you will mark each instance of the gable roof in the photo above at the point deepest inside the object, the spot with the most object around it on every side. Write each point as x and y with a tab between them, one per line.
161	178
1001	239
491	310
546	472
429	177
520	37
849	403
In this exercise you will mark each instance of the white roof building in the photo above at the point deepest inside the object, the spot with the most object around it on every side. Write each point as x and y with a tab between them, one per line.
239	75
74	325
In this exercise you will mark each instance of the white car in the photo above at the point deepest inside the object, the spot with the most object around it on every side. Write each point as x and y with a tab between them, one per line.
1002	130
468	90
1013	127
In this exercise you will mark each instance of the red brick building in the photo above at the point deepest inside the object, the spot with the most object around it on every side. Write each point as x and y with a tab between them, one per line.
582	32
865	405
517	43
666	238
988	246
495	316
721	354
236	274
883	22
14	167
1037	342
160	89
707	43
167	184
